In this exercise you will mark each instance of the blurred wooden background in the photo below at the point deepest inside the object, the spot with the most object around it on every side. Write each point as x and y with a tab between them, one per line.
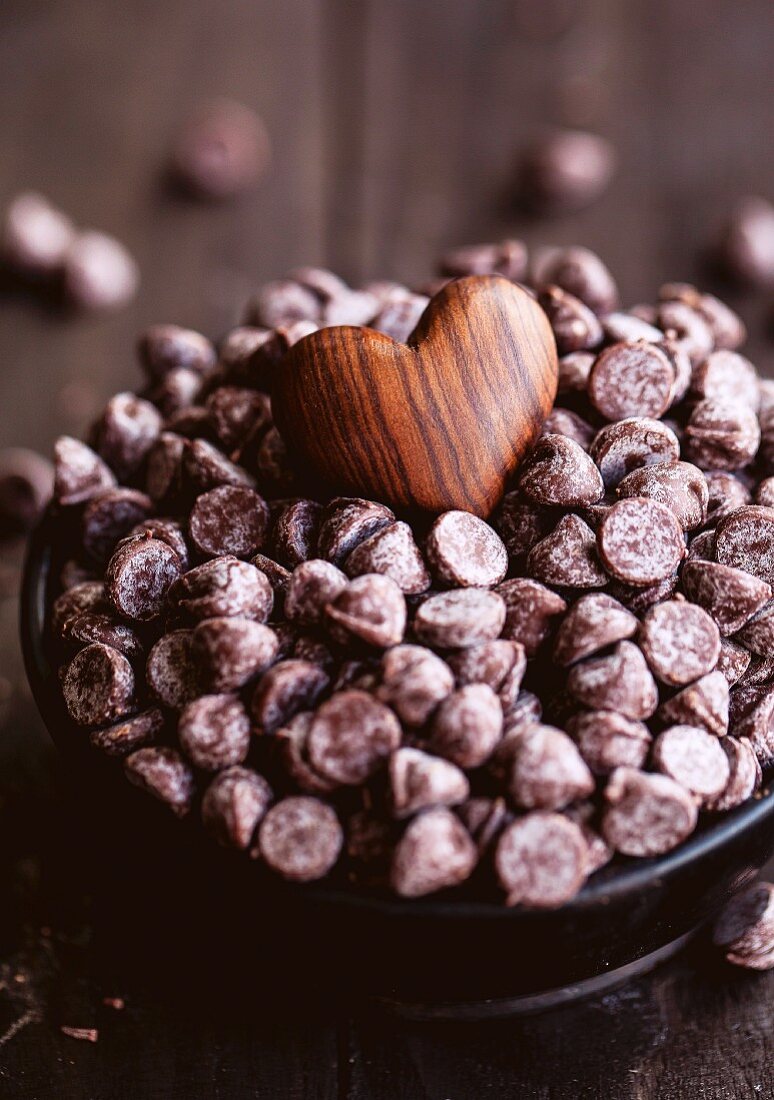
395	126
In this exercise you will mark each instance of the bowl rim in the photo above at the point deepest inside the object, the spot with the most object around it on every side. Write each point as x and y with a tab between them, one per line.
635	875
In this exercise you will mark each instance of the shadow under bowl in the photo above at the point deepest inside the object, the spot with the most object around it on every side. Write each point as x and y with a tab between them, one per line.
441	957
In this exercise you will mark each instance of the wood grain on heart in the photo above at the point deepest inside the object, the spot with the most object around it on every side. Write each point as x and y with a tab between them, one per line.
438	423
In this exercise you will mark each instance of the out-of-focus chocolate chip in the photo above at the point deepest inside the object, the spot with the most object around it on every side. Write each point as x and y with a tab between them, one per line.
26	485
162	773
541	860
646	815
746	246
234	804
565	170
98	686
285	689
575	326
419	781
214	732
98	272
220	151
79	473
434	853
413	681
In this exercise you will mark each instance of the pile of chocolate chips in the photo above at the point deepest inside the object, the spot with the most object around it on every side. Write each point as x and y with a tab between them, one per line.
509	704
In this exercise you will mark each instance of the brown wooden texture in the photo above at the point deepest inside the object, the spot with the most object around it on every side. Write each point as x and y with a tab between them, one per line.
435	424
395	126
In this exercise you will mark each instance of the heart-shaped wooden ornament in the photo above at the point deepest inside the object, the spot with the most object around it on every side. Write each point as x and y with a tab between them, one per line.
440	422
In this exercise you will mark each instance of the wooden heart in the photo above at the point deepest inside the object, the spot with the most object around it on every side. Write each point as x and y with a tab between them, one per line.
437	423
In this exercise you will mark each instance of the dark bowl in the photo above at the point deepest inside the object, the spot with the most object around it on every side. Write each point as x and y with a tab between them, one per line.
452	958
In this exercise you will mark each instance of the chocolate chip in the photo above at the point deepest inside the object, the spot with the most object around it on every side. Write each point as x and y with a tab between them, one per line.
638	598
399	314
591	624
568	556
348	521
733	661
580	272
171	672
228	520
285	689
129	734
730	596
618	681
460	618
237	415
392	552
79	473
680	642
607	740
569	423
295	532
26	484
752	716
224	587
745	928
351	737
90	626
758	634
678	485
703	703
207	468
292	739
35	236
631	380
508	258
727	378
521	525
220	151
98	272
541	860
300	838
558	471
686	327
87	596
214	732
467	726
640	541
694	759
544	770
312	586
728	330
463	551
631	444
419	781
176	393
98	686
162	773
233	805
646	815
574	370
530	609
434	853
164	468
414	680
574	325
628	328
165	348
566	170
139	575
743	778
371	609
745	540
109	517
746	247
125	432
726	494
500	664
230	652
719	436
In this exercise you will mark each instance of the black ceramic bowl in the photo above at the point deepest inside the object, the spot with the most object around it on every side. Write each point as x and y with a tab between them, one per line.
442	957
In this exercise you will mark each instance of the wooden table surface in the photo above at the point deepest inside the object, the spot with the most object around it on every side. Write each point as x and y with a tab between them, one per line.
395	127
